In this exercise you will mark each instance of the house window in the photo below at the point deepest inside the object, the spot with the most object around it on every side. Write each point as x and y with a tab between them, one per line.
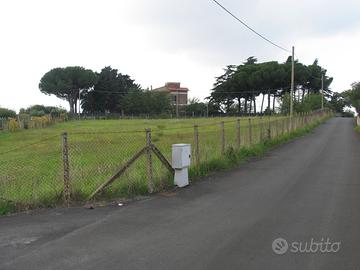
173	98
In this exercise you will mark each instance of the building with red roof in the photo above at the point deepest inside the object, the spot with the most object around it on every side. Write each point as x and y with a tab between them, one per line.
178	94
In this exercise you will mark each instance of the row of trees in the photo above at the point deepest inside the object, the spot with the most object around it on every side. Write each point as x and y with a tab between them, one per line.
235	92
240	85
106	92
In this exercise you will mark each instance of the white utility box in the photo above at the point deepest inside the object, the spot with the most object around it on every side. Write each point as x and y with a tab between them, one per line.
181	156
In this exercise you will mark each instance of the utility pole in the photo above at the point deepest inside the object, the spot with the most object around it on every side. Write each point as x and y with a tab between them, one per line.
292	82
177	104
322	89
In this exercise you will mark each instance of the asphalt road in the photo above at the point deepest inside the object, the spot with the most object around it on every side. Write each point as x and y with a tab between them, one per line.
309	188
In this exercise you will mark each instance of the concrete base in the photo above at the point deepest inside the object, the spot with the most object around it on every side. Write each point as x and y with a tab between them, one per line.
181	178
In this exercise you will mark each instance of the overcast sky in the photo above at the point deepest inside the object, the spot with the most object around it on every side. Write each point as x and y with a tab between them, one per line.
155	41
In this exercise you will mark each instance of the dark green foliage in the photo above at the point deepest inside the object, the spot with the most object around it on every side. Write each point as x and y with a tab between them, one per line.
66	83
108	92
200	109
41	110
353	96
240	85
139	102
347	113
338	102
6	207
6	113
311	102
196	108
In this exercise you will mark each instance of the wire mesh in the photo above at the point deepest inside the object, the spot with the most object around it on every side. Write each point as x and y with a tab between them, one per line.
209	142
32	175
95	157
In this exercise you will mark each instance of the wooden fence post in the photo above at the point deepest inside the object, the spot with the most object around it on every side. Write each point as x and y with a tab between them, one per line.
65	158
222	138
269	129
196	142
261	129
250	132
149	161
277	127
238	134
274	128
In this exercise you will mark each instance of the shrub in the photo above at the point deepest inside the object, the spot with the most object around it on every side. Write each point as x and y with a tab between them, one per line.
13	125
41	110
348	114
6	113
63	117
40	122
231	154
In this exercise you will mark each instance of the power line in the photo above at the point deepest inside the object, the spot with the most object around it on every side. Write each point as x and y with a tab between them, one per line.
250	28
255	91
243	92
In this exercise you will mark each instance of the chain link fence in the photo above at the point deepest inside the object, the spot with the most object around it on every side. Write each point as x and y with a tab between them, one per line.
32	175
76	167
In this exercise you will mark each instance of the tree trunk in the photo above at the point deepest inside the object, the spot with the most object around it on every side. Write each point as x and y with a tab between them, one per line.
239	105
250	105
255	104
268	107
274	104
75	106
262	103
303	95
246	105
71	104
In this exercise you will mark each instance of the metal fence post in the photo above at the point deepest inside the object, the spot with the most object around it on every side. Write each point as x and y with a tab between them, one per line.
250	132
196	142
238	134
65	158
222	138
149	161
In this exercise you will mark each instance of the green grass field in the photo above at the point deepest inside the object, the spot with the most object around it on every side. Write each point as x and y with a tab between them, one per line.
31	168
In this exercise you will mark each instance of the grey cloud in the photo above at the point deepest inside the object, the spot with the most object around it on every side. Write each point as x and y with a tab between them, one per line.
204	30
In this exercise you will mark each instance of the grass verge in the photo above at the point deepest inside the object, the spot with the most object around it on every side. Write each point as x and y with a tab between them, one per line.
233	157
